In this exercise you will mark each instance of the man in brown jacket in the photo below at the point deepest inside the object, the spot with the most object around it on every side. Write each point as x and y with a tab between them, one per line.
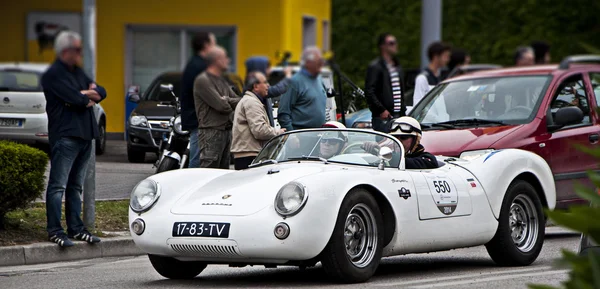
251	127
215	102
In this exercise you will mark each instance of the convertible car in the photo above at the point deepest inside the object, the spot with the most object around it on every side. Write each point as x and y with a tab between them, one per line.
316	195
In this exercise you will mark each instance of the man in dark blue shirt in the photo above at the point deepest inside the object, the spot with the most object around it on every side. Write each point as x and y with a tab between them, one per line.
201	44
70	97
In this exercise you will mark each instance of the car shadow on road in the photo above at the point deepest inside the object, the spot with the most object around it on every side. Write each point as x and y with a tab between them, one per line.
391	268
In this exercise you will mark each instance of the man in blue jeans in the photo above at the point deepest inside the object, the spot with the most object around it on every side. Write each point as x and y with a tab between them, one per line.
201	44
70	97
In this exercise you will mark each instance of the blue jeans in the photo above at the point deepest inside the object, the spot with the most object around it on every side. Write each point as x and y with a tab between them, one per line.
68	165
194	149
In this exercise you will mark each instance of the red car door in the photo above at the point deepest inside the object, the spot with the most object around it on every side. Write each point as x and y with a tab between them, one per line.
568	163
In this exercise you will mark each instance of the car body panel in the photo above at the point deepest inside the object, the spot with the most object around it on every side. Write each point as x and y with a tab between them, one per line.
424	221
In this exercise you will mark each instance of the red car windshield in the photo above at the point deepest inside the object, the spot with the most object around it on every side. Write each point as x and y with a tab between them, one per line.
510	100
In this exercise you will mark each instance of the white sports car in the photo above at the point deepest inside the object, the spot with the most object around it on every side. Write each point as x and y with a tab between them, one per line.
316	196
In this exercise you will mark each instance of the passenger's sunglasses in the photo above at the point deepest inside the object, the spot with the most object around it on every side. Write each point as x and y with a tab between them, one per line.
405	137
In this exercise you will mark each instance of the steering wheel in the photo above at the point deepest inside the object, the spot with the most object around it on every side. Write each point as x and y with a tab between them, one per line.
522	108
349	148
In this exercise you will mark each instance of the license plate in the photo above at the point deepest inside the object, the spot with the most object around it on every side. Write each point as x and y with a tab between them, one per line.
201	229
11	122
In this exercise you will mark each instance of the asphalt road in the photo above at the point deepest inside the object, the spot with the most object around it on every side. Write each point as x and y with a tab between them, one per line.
462	268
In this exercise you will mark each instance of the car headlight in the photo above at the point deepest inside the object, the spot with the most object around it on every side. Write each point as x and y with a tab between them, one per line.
290	199
178	127
471	155
138	120
362	124
144	195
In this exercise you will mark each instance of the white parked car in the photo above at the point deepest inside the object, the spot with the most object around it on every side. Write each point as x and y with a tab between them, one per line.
23	115
302	202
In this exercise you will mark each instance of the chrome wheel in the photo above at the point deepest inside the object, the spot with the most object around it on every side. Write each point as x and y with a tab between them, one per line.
523	223
360	235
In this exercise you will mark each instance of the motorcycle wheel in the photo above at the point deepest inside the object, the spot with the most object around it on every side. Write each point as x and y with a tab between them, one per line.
167	164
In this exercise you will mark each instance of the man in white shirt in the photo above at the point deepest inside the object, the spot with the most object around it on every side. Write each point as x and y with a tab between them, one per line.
439	55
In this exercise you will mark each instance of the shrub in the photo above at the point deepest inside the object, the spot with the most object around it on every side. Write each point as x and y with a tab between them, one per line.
22	171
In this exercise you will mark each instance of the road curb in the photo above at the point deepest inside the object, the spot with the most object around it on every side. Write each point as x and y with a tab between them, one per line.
49	252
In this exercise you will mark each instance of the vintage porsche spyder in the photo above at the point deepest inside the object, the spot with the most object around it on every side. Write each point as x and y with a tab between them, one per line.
316	196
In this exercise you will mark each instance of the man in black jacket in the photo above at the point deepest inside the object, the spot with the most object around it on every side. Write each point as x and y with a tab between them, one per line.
384	85
70	97
201	44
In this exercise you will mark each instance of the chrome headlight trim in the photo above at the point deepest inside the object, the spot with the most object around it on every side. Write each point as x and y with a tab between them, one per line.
178	127
299	207
149	205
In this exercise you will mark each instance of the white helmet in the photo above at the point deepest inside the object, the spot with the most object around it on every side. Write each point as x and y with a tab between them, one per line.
334	124
407	125
341	135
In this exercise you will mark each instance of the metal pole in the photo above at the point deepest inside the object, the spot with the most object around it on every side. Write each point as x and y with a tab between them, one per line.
341	94
431	26
89	65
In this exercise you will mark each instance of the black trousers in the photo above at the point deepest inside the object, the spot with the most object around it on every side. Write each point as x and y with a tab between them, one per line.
242	163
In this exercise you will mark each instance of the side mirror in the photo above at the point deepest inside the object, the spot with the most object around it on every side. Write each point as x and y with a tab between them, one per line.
166	87
133	93
385	153
566	116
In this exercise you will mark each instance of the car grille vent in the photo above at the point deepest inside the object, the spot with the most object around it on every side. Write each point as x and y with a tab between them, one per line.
205	250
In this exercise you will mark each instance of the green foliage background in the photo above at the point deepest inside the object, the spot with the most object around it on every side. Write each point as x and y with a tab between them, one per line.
22	171
490	30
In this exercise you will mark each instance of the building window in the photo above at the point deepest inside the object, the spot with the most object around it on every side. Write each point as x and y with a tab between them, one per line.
326	36
309	31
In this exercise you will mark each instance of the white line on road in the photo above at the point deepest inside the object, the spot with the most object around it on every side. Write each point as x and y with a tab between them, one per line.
489	279
454	277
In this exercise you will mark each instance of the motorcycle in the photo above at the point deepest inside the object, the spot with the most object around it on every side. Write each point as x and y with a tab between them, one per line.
174	149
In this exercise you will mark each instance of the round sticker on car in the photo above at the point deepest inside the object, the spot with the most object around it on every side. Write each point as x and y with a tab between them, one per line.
444	194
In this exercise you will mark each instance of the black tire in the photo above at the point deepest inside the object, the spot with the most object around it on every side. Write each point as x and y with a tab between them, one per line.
135	156
174	269
502	247
335	259
101	141
167	164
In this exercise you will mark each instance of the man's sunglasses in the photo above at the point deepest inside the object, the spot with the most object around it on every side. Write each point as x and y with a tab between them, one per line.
405	137
390	43
331	141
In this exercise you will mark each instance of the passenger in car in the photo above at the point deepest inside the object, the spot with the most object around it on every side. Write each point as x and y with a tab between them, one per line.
408	131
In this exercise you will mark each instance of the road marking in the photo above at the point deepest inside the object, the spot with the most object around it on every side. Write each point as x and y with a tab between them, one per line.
455	277
489	279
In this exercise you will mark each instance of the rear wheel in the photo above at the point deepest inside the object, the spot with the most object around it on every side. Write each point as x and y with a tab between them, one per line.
135	156
101	141
174	269
354	250
521	227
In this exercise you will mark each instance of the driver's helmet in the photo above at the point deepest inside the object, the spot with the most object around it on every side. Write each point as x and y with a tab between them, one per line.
407	126
340	136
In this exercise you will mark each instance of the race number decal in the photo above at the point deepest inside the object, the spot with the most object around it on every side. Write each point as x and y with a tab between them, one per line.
444	194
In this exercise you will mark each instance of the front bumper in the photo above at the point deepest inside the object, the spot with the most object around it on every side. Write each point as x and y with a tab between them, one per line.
144	138
251	238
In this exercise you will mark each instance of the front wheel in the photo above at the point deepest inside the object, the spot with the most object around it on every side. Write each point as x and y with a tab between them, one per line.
174	269
354	250
521	227
167	164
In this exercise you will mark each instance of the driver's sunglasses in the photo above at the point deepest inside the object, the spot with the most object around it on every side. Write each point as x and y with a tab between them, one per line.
330	141
404	127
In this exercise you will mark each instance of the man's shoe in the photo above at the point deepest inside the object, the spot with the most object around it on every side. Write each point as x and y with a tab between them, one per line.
86	236
62	240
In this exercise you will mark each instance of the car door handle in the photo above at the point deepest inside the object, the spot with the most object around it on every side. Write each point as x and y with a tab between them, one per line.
594	138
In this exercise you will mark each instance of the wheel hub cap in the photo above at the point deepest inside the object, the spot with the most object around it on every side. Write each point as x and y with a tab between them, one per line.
523	223
360	235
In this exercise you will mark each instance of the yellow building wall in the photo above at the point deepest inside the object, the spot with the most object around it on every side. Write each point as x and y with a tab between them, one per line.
263	28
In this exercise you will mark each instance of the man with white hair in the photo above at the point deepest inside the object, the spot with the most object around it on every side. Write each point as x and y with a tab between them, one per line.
70	97
303	104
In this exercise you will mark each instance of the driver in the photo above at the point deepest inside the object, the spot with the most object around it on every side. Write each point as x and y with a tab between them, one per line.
332	143
408	131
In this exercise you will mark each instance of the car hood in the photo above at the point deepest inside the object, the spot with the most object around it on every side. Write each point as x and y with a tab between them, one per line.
453	142
153	109
245	192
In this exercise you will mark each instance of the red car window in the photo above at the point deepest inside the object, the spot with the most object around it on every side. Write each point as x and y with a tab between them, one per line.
571	92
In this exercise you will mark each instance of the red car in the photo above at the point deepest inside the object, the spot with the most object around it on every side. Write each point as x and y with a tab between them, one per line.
545	109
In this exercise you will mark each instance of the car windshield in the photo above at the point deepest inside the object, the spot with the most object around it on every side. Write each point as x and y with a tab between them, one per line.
488	101
155	93
18	80
329	145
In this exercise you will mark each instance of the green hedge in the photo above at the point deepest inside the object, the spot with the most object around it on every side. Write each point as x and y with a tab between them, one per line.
22	171
489	30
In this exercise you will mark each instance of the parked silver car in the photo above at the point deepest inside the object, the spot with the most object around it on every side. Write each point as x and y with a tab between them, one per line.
23	115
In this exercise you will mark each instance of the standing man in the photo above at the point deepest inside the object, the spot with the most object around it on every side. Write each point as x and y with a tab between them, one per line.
524	56
215	101
439	56
303	104
201	44
251	126
70	97
384	84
